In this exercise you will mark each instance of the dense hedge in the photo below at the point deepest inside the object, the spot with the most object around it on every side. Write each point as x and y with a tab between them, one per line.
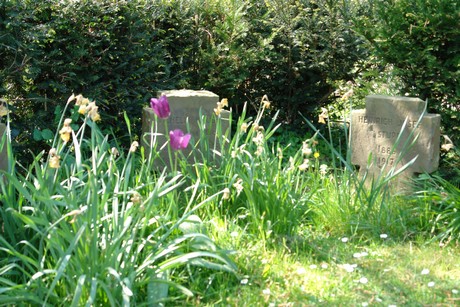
420	39
121	52
110	52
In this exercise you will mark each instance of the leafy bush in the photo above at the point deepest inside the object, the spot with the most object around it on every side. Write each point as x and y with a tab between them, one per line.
111	51
419	40
120	53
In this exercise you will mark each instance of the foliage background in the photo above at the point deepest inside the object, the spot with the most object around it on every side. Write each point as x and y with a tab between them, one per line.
299	53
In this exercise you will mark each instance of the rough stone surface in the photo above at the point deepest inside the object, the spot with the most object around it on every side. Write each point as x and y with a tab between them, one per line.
3	152
375	147
186	107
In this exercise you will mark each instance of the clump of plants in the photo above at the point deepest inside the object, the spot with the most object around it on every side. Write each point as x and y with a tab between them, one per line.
89	222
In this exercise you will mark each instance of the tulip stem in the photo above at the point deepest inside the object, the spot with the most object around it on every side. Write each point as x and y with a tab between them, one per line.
168	138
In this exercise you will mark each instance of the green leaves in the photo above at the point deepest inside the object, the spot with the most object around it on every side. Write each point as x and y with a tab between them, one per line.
45	135
76	234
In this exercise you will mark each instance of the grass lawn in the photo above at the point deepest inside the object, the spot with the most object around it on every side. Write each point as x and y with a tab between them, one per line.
329	271
92	223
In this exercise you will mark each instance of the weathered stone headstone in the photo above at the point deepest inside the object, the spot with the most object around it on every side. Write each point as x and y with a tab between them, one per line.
3	149
375	131
185	106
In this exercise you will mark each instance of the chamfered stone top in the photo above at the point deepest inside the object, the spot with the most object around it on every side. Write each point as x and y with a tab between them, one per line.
189	93
394	105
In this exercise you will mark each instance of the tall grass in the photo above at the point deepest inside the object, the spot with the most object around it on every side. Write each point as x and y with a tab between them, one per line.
369	203
261	191
106	226
98	229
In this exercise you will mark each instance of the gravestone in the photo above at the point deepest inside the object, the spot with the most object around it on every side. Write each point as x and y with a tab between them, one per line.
375	146
186	107
3	149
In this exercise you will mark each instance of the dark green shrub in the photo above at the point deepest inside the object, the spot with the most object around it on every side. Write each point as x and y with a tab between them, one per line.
108	51
420	40
121	53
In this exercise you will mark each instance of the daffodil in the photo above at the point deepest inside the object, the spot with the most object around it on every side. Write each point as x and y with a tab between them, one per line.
224	102
66	130
220	106
306	150
323	169
244	127
114	151
226	194
94	114
304	165
323	116
265	102
54	158
238	185
134	146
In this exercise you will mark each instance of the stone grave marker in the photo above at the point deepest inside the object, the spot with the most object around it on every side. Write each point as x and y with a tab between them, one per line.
374	134
185	106
3	150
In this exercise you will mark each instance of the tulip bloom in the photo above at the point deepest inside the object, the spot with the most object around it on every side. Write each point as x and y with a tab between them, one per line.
178	140
160	106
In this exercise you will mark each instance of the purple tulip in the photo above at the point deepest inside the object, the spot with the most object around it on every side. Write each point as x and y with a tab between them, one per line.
178	140
160	106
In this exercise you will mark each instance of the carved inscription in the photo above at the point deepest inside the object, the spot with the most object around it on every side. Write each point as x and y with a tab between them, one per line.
394	131
384	153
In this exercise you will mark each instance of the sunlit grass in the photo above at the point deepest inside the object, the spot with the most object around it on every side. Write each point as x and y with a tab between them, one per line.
96	222
328	271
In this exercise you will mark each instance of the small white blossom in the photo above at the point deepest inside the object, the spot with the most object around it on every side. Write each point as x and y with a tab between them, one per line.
425	272
363	280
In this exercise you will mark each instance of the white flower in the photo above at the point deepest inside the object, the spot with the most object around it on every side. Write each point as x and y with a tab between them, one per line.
301	271
344	239
431	284
304	165
323	169
238	186
259	138
226	193
244	281
363	280
359	255
134	146
349	267
306	150
266	291
313	266
383	236
425	272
